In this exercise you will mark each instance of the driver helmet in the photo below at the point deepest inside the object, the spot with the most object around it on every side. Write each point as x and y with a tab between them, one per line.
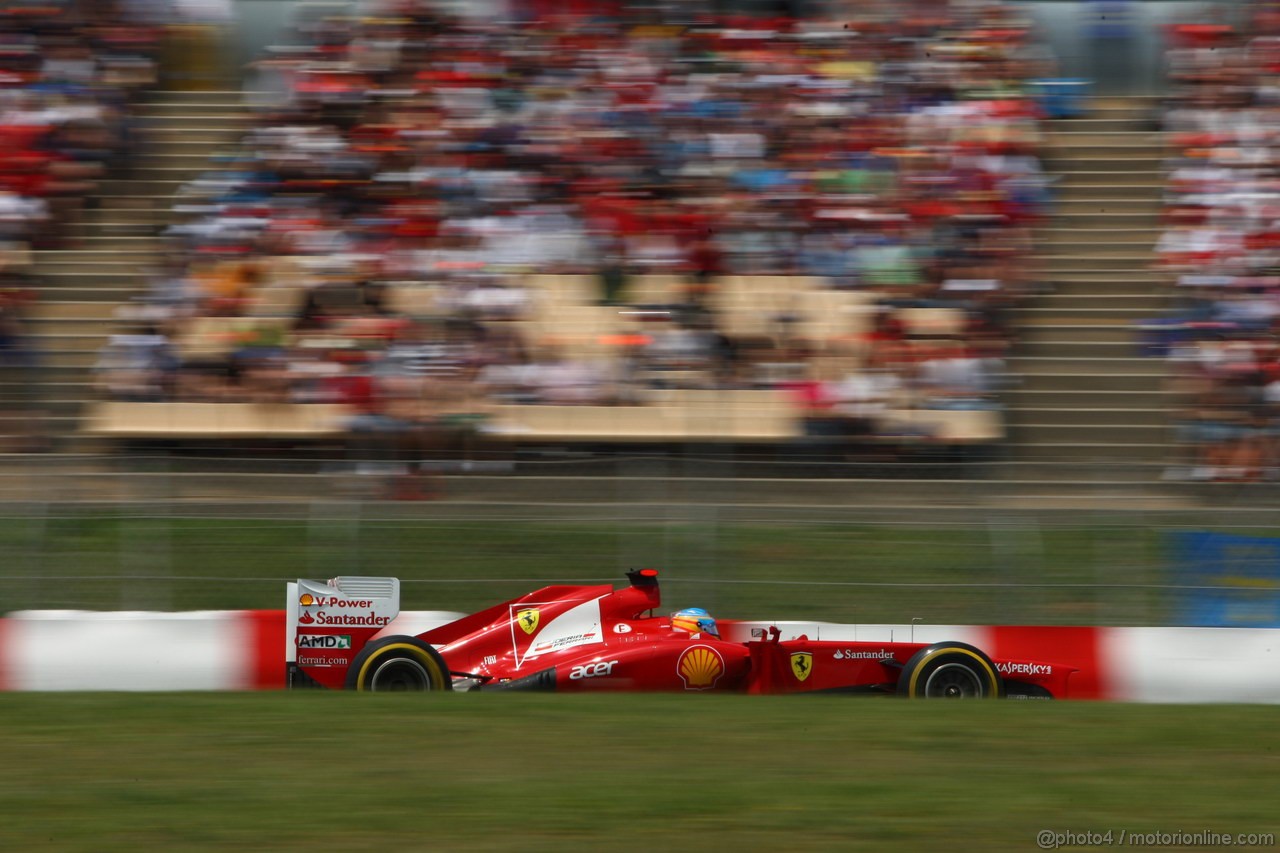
695	620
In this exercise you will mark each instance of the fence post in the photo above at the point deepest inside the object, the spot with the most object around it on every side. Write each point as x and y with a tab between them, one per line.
1013	558
144	545
333	538
29	561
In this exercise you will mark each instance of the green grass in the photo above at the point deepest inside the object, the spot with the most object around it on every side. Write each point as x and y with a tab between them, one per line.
326	772
837	572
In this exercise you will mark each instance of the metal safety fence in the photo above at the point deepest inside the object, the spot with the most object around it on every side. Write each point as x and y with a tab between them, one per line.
160	534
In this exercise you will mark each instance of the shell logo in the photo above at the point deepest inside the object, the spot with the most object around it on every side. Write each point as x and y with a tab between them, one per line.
700	667
307	599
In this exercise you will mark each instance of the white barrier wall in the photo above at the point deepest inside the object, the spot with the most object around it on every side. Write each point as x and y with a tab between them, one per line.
244	650
1193	664
76	650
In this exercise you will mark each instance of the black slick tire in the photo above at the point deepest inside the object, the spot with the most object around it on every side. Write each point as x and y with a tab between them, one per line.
398	665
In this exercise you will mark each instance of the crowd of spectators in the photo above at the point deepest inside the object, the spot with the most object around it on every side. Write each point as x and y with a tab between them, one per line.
68	72
375	240
1223	245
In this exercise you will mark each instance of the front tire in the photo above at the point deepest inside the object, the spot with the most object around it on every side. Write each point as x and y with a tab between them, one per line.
950	671
398	665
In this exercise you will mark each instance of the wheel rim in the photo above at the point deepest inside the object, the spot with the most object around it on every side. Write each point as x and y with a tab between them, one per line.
400	675
953	681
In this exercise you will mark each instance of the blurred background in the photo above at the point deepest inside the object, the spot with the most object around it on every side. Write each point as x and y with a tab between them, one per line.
874	311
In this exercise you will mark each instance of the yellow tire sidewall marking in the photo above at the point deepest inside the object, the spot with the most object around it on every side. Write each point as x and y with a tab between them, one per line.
421	656
915	676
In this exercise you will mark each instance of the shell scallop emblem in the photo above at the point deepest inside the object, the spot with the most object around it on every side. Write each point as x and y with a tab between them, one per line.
700	667
306	600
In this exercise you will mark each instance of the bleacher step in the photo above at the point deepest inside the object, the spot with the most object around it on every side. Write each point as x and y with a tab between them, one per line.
1087	399
1069	301
1132	366
1052	315
1048	333
1067	205
1060	380
1084	453
1074	417
1095	261
1068	349
1093	191
1090	433
1140	167
1099	232
1102	220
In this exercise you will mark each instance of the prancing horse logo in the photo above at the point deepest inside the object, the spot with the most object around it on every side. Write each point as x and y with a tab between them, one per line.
801	665
528	620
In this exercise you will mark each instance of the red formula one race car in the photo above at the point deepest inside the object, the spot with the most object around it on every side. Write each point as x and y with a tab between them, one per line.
349	634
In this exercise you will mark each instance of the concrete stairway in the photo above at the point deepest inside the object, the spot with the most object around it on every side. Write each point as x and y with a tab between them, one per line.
1087	405
114	248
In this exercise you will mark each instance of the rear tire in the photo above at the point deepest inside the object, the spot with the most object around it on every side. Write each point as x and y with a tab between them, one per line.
950	671
398	665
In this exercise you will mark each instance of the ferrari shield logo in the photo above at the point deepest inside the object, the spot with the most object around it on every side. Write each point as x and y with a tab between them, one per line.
528	619
801	665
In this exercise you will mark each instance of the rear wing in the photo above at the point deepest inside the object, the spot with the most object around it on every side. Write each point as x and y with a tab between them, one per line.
328	622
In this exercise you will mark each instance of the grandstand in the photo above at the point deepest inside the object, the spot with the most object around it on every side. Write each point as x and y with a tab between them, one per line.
114	248
1083	415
